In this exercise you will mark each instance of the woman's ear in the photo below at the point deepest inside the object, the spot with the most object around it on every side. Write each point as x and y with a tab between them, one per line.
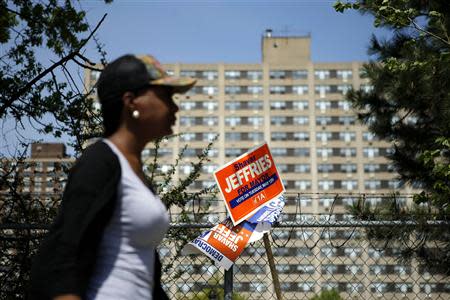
128	100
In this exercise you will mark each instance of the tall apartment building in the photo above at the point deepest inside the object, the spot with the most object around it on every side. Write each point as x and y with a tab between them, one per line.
298	107
43	173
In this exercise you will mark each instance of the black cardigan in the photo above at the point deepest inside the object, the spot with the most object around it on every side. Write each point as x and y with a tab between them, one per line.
67	255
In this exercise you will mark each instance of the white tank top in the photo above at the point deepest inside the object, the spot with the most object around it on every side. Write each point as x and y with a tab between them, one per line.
125	264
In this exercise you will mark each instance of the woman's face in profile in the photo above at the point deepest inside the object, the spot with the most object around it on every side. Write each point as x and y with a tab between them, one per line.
157	112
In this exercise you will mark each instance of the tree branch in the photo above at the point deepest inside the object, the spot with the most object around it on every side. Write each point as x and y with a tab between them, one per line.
85	59
85	66
419	28
62	61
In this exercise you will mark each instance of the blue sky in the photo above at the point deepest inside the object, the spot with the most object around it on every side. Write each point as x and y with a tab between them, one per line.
209	31
227	31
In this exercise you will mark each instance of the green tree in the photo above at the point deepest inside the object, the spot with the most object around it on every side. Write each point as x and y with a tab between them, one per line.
42	44
327	295
214	291
409	105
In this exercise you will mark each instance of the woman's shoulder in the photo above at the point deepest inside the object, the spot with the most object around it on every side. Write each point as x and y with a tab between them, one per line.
97	157
98	151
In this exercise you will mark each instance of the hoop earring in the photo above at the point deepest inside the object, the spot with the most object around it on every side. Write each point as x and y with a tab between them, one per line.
135	114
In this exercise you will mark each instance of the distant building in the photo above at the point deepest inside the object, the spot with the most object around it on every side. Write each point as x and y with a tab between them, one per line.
43	173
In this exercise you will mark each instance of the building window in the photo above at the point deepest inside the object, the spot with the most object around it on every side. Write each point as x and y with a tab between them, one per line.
323	120
324	152
187	105
210	105
232	90
344	105
348	168
322	90
233	105
301	152
347	152
324	168
232	74
301	136
232	121
209	75
305	269
279	151
282	167
254	75
232	136
188	73
377	269
344	88
210	121
323	136
233	152
329	269
209	90
302	168
279	136
347	120
277	89
371	152
300	74
257	287
209	136
303	104
301	120
372	184
378	287
255	89
187	136
322	74
371	168
277	74
344	74
300	89
302	184
256	136
328	252
353	288
353	252
256	121
255	105
349	185
323	105
325	185
305	286
278	105
347	136
278	120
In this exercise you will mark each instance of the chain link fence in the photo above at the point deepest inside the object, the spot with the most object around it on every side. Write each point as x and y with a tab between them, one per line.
358	257
310	258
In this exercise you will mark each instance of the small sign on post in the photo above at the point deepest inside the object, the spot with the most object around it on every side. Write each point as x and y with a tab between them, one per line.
248	182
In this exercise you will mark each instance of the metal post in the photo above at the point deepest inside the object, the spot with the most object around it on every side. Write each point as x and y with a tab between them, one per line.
228	284
273	270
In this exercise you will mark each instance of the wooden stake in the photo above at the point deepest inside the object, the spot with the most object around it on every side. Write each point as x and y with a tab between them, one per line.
273	271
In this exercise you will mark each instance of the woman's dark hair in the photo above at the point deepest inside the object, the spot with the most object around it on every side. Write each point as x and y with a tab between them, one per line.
111	113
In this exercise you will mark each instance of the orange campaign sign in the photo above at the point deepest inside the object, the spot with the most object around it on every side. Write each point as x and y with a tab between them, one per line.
248	182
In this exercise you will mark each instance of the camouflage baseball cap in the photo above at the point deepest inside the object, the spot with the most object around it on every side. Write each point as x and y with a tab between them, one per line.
131	73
